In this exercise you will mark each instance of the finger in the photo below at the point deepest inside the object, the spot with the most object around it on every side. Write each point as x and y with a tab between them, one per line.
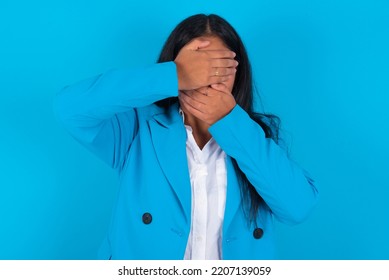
221	54
197	44
188	109
220	87
202	96
224	62
196	95
221	71
203	44
219	79
183	92
191	102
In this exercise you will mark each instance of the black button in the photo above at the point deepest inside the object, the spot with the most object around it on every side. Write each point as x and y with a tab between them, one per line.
147	218
258	233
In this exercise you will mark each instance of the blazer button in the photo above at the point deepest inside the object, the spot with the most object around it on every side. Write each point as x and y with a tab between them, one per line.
147	218
258	233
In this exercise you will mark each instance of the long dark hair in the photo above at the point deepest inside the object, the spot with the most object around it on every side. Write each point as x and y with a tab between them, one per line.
202	25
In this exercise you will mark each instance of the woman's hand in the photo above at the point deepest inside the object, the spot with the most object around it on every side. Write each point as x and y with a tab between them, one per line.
198	68
208	104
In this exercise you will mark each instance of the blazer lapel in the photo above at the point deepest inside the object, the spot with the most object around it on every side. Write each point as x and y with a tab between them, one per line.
169	139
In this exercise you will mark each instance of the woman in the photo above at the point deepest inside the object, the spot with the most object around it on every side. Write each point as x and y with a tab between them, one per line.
201	175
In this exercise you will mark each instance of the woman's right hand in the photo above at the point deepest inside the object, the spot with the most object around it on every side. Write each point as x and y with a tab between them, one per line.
198	68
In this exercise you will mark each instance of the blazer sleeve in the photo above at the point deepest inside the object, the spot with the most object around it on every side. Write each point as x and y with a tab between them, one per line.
99	111
285	187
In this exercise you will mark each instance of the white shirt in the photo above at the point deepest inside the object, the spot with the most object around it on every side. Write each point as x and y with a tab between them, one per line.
207	171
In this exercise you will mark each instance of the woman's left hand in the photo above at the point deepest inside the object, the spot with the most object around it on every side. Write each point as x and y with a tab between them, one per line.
208	104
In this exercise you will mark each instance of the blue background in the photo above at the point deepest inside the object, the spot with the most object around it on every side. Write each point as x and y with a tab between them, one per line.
322	66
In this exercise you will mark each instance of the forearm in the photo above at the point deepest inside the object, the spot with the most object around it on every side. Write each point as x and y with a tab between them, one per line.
282	183
99	111
117	91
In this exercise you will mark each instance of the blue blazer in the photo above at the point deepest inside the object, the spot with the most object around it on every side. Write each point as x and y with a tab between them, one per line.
114	116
